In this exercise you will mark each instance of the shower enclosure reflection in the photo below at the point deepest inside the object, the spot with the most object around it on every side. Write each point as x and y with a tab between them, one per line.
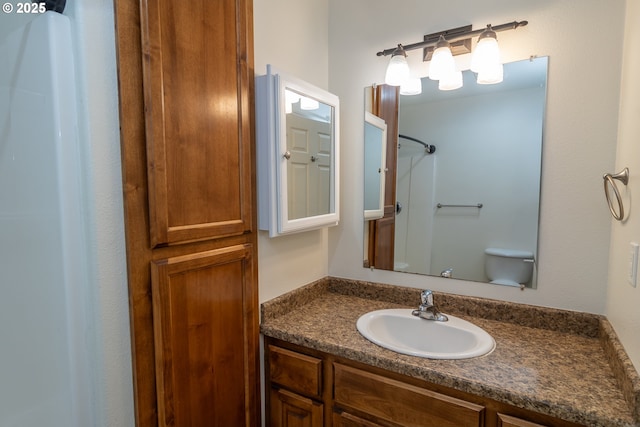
479	193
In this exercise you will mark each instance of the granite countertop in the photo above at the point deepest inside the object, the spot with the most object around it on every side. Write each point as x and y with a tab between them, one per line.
565	364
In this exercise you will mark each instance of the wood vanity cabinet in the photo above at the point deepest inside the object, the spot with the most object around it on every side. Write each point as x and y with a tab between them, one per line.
295	396
345	419
292	410
508	421
390	400
308	388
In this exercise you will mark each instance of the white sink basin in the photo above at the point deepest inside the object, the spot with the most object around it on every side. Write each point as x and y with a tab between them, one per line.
400	331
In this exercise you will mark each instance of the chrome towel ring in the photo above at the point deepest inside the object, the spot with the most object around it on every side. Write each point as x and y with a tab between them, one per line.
609	182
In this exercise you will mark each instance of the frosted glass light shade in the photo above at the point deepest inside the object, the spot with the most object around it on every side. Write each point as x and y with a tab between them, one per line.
490	76
442	63
451	82
290	99
397	71
413	86
486	56
307	103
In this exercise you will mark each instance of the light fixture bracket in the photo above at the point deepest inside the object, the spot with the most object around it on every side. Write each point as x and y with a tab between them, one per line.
399	51
488	32
458	47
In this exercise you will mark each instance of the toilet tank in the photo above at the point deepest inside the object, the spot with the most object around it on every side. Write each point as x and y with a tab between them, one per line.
508	266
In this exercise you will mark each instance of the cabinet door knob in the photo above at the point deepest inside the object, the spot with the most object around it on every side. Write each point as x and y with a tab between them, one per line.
287	155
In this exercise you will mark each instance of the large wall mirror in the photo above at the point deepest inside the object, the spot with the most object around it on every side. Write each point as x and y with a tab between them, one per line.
298	154
469	210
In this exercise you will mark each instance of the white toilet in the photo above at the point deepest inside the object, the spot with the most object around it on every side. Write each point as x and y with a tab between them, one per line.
508	267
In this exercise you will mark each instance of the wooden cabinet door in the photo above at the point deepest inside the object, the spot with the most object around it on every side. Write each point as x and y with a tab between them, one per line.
381	241
196	83
345	419
201	335
185	77
297	372
509	421
382	231
291	410
386	106
399	403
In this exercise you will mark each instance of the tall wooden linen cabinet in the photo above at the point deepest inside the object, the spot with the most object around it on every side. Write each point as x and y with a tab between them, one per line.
185	72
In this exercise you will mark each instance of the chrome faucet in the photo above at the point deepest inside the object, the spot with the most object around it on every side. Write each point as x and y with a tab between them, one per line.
427	309
448	273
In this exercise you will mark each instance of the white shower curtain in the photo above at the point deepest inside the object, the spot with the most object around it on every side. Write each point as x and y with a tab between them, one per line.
42	258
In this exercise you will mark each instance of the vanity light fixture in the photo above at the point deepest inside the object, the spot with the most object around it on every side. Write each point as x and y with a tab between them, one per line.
307	103
451	82
412	86
442	63
486	58
439	48
290	99
398	68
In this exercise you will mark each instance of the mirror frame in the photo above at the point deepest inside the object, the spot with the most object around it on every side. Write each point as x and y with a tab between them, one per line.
271	142
380	124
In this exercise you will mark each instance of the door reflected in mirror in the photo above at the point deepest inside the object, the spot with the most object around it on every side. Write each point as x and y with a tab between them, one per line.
309	147
471	209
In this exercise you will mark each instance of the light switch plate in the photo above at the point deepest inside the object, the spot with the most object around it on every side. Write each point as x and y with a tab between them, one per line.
632	276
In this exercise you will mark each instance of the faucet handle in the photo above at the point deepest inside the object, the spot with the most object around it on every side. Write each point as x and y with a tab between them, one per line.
426	297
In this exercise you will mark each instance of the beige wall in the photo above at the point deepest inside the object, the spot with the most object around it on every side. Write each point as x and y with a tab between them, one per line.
579	137
292	36
623	302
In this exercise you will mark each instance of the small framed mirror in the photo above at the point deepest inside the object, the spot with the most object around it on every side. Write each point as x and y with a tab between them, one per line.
375	150
298	154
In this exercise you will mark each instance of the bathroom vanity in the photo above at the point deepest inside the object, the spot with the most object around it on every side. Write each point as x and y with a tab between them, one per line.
311	387
549	367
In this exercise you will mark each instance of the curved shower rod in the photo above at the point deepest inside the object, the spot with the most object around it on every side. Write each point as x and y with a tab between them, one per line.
430	149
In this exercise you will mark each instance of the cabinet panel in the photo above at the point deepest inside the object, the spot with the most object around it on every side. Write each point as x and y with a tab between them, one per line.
185	78
295	371
198	119
345	419
202	338
290	410
401	403
509	421
382	237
